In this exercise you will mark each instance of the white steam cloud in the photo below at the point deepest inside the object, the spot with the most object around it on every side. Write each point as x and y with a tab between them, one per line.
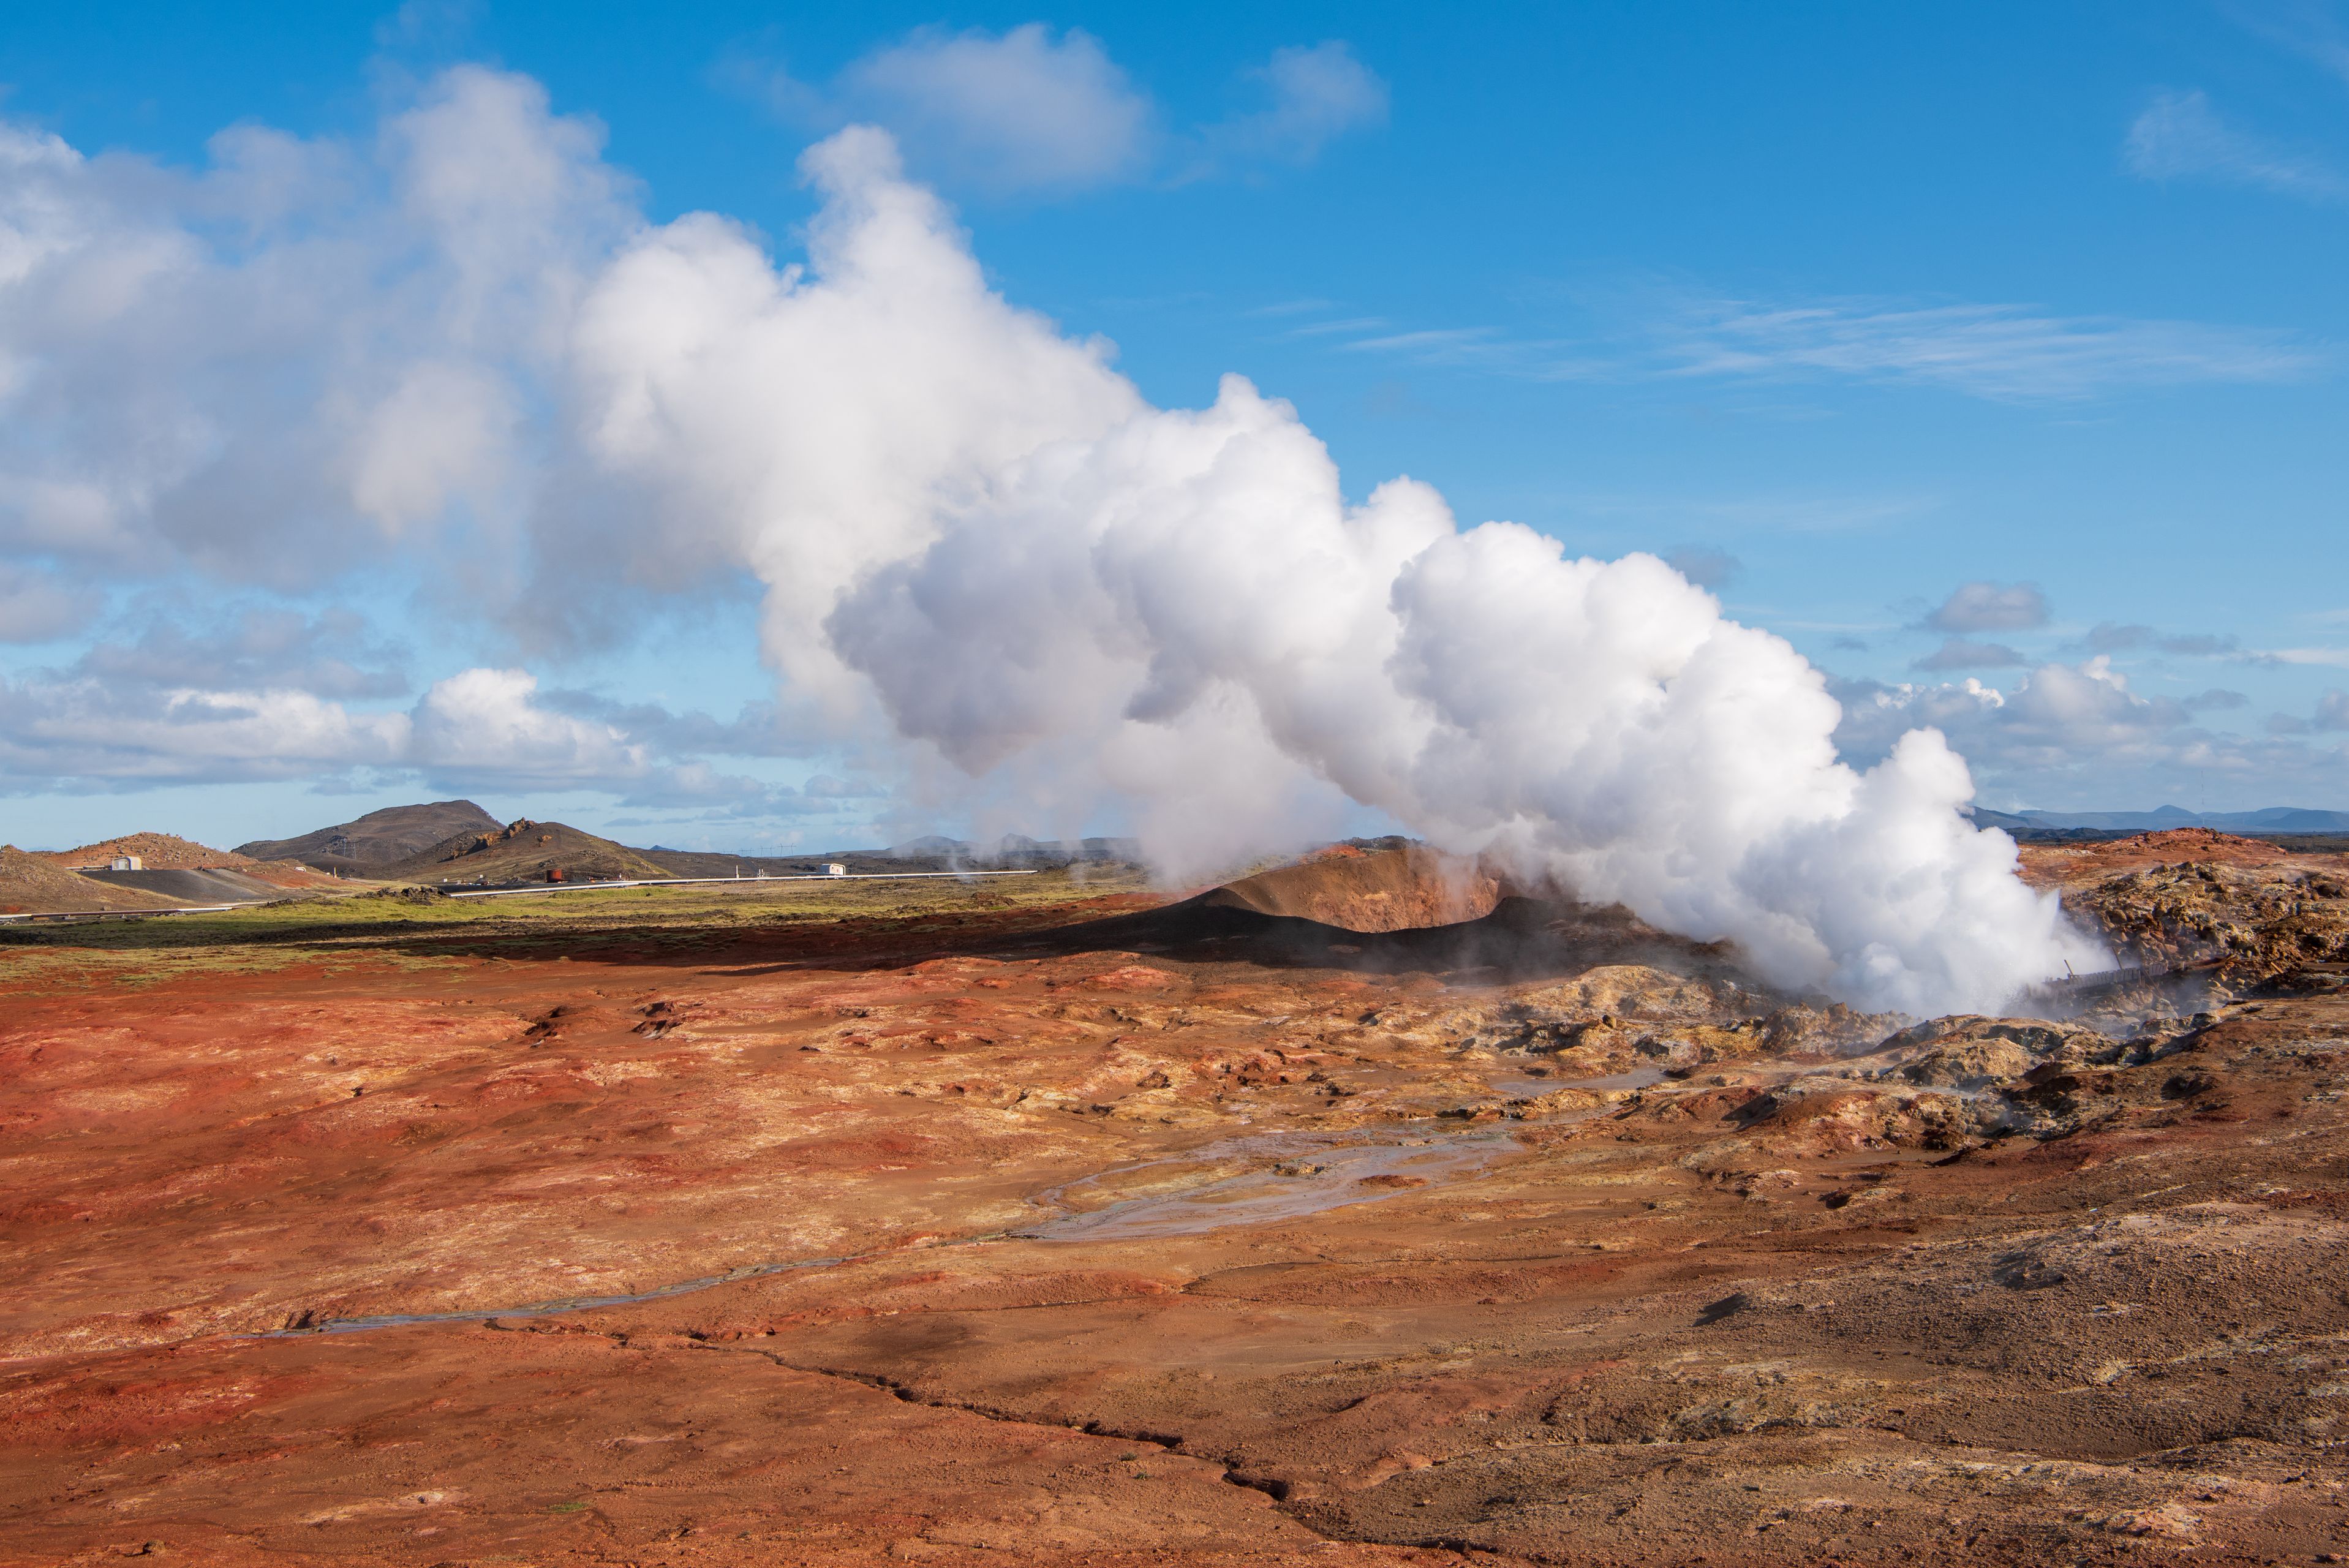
971	517
976	537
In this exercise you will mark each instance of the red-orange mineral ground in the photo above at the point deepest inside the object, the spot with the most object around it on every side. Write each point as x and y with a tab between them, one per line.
847	1225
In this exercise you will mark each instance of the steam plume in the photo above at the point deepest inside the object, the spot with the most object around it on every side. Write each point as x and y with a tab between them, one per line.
1044	577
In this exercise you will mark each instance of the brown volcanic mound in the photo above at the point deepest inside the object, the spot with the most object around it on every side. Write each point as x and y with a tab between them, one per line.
523	851
379	839
1391	890
156	852
1400	911
36	884
170	852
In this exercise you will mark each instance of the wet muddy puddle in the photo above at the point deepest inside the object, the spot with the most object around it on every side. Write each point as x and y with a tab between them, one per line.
1533	1086
1256	1180
1251	1180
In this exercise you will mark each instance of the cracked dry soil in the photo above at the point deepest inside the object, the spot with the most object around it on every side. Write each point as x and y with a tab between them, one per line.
1650	1265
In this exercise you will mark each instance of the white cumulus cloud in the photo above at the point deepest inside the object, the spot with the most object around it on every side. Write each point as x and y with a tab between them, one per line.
1016	111
481	723
272	367
1032	112
1990	607
1313	96
109	727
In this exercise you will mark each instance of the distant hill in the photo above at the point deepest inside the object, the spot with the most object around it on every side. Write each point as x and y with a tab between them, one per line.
521	851
424	843
2276	819
2271	820
185	871
157	850
33	883
377	840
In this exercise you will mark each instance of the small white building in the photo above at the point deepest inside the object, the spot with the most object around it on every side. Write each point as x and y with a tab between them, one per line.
125	863
834	869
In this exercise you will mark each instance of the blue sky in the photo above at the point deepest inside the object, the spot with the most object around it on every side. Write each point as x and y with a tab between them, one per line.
1998	344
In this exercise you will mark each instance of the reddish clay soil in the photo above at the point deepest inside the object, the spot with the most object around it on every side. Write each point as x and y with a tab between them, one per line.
1104	1233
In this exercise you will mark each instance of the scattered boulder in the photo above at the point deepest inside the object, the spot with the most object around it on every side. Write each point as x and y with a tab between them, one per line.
409	894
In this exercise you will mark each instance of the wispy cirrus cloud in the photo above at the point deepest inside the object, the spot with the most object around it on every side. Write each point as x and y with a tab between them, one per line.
1305	306
1345	326
2310	29
2002	352
1490	349
2180	137
1477	345
2005	352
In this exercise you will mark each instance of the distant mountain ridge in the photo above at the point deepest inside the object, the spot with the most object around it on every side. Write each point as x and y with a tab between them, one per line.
2271	819
427	842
